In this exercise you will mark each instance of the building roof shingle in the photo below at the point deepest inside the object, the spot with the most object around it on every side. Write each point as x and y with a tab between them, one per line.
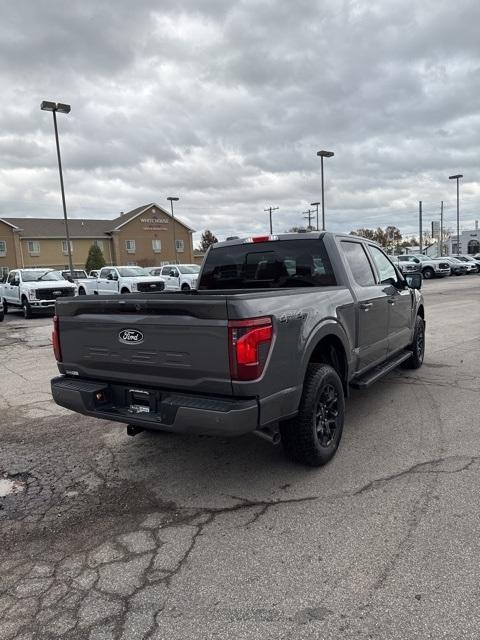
55	227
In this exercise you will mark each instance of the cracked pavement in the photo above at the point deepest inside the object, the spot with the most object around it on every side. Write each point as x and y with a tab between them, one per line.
108	537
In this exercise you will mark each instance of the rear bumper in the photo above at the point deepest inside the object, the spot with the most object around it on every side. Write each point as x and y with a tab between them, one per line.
168	410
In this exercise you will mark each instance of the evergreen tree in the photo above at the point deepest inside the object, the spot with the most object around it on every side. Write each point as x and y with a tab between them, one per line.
95	259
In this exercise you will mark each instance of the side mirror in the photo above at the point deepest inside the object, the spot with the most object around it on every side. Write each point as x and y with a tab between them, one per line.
414	280
110	276
172	274
16	282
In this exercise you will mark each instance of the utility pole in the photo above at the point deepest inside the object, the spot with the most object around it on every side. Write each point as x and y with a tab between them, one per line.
270	209
315	204
441	228
420	223
457	178
309	217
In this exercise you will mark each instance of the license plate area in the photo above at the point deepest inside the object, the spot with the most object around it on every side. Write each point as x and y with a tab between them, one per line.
140	401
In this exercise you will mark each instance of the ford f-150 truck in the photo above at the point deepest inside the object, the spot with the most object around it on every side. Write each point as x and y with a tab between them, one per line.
277	331
34	289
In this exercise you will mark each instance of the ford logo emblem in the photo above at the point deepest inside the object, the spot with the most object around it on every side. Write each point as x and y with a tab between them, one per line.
130	336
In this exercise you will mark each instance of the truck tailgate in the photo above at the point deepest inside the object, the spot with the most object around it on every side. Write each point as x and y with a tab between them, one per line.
161	340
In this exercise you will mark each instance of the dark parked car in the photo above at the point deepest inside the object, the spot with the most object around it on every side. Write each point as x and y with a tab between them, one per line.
278	330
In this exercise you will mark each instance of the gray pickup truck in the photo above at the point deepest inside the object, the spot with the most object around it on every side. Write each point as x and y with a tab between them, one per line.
277	331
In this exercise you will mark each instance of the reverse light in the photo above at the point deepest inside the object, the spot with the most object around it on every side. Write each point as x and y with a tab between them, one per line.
56	339
249	346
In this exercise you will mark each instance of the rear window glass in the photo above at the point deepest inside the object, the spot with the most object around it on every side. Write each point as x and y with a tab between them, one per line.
267	265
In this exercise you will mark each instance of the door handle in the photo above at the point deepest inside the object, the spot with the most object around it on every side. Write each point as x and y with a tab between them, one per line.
365	306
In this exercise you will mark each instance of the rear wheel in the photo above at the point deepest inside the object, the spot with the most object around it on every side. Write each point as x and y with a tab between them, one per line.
313	436
428	273
27	309
417	346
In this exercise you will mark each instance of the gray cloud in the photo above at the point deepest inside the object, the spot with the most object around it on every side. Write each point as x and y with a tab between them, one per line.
225	103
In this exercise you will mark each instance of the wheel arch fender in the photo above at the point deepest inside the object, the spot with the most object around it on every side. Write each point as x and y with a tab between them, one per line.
328	342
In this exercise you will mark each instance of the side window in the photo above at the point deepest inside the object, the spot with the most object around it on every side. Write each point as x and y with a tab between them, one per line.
387	272
358	263
166	271
104	273
11	277
175	273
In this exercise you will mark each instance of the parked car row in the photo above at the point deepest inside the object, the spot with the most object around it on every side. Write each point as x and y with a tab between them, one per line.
37	289
437	267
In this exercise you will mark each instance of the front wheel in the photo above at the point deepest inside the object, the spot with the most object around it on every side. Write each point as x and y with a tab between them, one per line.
428	273
27	309
5	306
82	292
417	346
185	287
313	436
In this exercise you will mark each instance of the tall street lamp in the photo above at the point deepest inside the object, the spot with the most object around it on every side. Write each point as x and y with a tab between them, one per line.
324	154
315	204
457	178
172	200
61	108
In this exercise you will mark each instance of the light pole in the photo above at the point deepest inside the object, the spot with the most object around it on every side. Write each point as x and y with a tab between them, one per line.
457	178
324	154
172	200
61	108
270	209
315	204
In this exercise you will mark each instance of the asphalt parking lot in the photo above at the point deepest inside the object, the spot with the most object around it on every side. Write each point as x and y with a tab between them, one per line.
108	537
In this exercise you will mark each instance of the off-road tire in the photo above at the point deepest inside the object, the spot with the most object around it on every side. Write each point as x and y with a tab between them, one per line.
27	309
428	273
417	346
299	435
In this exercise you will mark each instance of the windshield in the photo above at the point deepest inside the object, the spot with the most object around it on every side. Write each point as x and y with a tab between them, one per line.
188	269
268	265
131	272
40	276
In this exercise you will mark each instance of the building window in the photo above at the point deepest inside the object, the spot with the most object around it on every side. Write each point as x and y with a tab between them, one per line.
33	247
130	245
157	246
180	246
65	247
99	244
3	248
473	247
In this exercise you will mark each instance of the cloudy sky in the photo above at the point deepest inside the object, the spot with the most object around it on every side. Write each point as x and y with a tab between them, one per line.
225	103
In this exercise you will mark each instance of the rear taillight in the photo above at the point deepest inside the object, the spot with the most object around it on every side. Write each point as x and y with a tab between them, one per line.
56	339
249	345
254	239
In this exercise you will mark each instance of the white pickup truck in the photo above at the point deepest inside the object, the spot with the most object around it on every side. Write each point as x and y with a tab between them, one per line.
178	277
127	280
34	290
87	285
